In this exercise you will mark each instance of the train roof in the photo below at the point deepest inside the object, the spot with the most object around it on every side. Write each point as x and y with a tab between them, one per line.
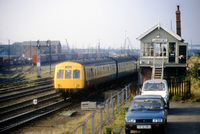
94	61
104	61
127	58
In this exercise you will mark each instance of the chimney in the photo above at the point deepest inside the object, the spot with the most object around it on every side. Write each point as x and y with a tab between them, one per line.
178	21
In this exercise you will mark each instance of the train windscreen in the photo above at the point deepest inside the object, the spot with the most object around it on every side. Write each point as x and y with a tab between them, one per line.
76	74
60	74
68	74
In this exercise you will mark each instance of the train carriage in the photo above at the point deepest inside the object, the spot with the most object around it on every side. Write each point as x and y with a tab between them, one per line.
75	75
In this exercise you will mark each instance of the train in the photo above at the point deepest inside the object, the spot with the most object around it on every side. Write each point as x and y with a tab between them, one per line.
72	76
44	58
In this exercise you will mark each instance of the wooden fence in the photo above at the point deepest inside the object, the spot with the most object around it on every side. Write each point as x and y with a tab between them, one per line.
179	88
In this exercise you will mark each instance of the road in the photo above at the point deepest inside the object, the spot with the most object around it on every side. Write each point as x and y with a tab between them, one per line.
183	118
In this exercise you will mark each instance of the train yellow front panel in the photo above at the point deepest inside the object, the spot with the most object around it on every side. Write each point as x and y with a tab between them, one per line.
69	75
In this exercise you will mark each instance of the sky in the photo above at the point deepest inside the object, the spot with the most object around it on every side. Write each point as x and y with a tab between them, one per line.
85	23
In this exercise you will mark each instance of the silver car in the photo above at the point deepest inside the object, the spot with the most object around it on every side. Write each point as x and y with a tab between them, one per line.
156	87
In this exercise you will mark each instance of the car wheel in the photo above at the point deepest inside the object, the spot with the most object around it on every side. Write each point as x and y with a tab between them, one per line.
127	131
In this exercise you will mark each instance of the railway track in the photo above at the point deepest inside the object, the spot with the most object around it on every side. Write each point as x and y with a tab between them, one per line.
24	93
18	76
27	117
22	85
16	107
20	107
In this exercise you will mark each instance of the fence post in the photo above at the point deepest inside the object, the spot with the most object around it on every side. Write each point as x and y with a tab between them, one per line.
112	105
118	101
122	96
129	92
189	88
126	94
182	89
83	128
107	111
101	119
93	131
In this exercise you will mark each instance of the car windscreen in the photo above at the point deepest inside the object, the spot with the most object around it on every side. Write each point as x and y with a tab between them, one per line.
140	104
154	86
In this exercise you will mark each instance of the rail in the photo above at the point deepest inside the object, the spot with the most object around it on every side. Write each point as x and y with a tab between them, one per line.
107	109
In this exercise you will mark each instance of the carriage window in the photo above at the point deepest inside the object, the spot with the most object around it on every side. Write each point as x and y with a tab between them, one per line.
68	74
60	74
76	74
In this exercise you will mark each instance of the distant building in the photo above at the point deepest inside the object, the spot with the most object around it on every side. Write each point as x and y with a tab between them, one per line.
4	49
14	49
29	48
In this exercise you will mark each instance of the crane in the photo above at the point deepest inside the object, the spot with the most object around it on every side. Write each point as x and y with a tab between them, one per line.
68	48
130	44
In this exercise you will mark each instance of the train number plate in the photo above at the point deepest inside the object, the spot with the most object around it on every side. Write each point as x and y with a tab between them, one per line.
143	126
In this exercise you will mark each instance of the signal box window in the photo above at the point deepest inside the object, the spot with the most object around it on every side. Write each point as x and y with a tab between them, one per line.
60	74
76	74
68	74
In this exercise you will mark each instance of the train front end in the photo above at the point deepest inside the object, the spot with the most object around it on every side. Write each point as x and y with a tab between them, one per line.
69	76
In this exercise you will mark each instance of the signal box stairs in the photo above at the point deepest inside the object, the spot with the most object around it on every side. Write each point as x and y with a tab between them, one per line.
157	70
158	73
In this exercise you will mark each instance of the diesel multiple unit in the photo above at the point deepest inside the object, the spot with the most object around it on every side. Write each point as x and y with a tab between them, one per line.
75	75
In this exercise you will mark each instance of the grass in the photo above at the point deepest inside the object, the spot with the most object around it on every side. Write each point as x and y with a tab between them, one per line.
115	124
194	64
118	123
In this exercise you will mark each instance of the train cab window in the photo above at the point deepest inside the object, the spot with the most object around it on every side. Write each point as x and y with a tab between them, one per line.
60	74
68	74
76	74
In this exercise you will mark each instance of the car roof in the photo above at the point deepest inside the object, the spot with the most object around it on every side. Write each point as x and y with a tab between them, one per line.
148	97
155	81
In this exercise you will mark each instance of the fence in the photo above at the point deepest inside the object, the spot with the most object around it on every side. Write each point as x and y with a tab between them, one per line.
104	114
179	88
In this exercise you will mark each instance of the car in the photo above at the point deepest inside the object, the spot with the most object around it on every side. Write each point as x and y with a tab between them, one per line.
156	87
146	112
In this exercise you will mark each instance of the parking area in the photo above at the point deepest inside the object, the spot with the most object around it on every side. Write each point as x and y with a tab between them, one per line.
183	118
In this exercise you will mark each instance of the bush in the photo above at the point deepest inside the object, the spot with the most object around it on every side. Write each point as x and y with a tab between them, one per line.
108	130
176	98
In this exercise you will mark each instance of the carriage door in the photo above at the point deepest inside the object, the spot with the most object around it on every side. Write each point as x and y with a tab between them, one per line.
182	54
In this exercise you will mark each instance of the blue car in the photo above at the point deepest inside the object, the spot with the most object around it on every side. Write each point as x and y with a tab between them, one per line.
146	112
